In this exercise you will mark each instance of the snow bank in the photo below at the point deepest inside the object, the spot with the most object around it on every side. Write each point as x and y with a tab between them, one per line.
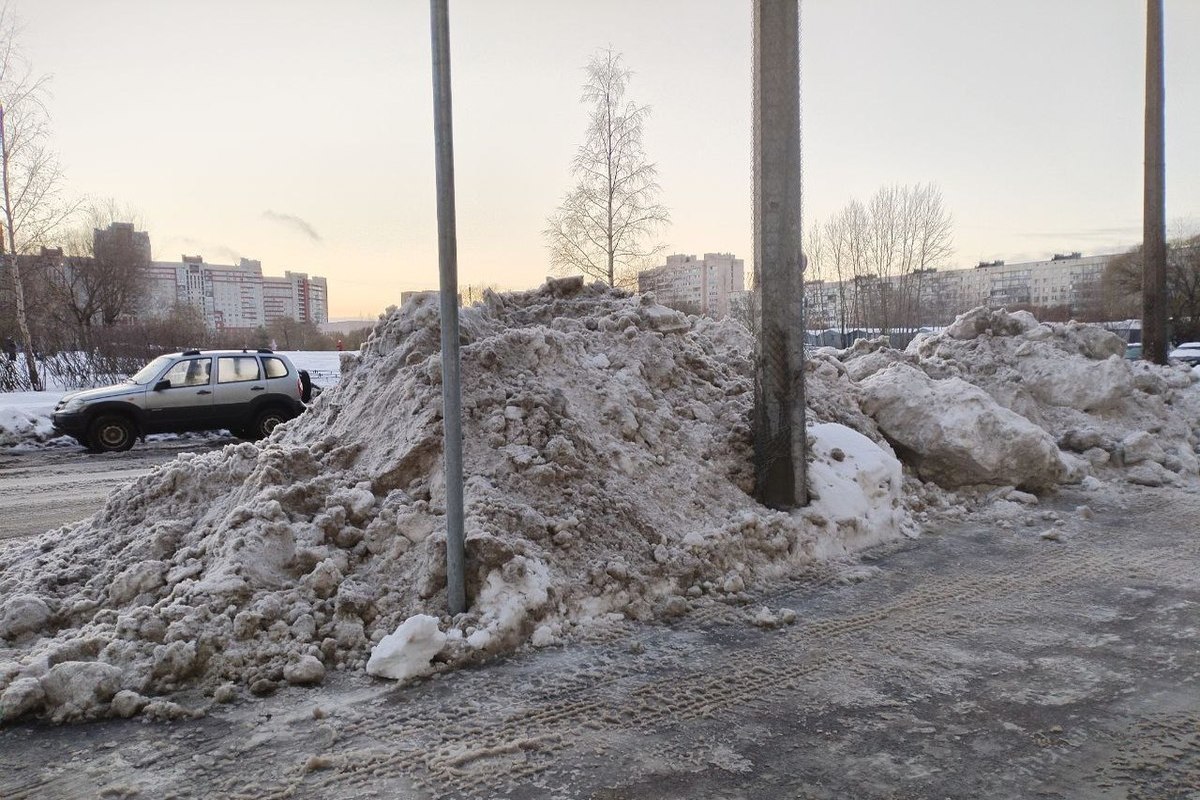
607	451
1066	380
25	418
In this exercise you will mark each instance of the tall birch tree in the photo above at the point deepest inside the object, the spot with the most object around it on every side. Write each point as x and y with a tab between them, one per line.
605	223
30	176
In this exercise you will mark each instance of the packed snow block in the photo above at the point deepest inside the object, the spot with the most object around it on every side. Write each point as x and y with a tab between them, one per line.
1081	440
831	393
1093	341
21	614
996	322
862	363
663	319
406	653
857	486
75	688
1076	383
1141	446
21	696
955	434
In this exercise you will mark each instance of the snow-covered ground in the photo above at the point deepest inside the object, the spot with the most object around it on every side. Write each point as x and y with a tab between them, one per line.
608	457
25	416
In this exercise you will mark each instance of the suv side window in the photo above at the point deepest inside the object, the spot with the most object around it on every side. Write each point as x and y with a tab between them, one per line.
232	369
190	372
275	368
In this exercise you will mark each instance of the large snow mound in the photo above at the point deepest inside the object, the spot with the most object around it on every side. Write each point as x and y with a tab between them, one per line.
607	456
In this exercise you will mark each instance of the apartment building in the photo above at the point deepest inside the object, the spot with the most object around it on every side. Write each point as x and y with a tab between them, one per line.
704	286
236	296
935	297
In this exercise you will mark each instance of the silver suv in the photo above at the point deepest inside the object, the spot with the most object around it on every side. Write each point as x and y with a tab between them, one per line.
247	392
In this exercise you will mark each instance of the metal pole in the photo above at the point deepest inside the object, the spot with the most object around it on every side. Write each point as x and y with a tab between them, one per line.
779	435
456	592
1154	214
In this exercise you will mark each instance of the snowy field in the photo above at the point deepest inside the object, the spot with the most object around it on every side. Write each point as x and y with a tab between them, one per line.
25	416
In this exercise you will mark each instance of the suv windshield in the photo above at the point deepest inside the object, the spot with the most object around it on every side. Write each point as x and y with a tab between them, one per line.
147	373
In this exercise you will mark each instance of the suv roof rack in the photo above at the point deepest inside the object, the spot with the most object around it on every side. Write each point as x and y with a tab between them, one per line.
265	350
192	352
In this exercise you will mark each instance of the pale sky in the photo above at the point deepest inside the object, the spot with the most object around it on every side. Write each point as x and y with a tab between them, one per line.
300	132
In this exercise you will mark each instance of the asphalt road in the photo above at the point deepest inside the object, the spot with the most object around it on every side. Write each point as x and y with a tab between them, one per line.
43	489
973	662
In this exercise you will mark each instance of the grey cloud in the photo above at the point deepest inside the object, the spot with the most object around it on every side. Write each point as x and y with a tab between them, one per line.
222	251
213	252
294	222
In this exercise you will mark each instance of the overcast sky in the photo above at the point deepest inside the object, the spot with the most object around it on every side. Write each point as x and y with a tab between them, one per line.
300	132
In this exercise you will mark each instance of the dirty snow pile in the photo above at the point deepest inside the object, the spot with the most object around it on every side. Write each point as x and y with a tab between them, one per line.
1001	399
607	455
25	418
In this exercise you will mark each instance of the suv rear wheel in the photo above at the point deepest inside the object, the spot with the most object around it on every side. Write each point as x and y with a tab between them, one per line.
110	433
266	422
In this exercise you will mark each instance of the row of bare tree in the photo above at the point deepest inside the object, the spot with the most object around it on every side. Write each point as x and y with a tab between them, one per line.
876	257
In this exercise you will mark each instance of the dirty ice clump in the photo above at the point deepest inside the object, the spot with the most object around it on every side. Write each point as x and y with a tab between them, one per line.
607	454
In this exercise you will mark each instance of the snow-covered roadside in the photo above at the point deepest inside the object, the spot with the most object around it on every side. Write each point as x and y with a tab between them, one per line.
607	453
25	421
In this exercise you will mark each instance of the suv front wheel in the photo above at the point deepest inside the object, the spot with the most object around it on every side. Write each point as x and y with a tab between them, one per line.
110	433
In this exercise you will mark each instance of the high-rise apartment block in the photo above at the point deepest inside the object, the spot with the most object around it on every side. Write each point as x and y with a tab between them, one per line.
697	285
227	296
236	296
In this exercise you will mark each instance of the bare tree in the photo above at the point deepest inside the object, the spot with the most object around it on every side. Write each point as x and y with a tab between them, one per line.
927	242
817	312
474	293
30	176
1123	278
602	226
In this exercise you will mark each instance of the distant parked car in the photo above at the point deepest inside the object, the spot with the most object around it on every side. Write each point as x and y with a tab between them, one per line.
1133	351
247	392
1186	353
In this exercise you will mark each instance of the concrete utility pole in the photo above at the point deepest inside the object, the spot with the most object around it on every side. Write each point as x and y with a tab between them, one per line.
1154	214
456	593
779	434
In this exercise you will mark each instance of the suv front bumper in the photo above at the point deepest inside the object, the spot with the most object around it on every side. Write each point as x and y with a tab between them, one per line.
69	424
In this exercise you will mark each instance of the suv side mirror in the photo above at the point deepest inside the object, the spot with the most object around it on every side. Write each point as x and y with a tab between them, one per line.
163	384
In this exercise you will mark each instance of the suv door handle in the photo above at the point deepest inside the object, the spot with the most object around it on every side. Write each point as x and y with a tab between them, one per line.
258	388
204	391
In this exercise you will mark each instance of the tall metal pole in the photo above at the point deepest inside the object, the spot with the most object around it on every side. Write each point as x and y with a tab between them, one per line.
1154	214
779	435
456	593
